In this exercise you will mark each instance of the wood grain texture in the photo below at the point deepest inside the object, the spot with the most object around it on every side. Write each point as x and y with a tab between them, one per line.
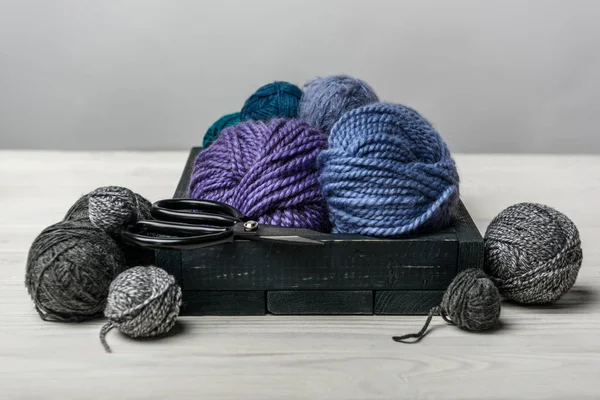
341	265
470	242
544	352
223	302
181	192
323	302
406	302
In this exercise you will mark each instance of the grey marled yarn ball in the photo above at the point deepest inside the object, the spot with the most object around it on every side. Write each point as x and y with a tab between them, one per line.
142	302
471	302
80	212
112	207
326	99
532	253
69	270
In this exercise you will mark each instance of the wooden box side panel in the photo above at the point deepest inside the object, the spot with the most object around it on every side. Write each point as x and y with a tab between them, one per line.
184	182
470	243
320	302
337	265
223	302
407	302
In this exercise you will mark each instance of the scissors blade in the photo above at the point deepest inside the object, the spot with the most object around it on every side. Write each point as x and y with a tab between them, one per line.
292	239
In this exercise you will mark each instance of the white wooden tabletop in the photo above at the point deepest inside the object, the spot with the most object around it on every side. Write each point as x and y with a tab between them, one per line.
541	352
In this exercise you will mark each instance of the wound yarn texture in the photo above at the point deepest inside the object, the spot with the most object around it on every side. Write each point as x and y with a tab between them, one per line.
387	172
326	99
532	253
79	212
273	100
69	269
112	206
266	170
215	129
472	302
142	302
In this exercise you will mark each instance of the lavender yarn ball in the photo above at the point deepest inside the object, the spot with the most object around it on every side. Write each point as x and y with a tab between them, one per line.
325	100
69	269
266	170
142	302
387	172
532	253
273	100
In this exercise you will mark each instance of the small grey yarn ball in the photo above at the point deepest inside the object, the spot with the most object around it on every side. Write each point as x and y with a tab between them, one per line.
326	99
142	302
112	207
109	219
532	253
471	302
69	269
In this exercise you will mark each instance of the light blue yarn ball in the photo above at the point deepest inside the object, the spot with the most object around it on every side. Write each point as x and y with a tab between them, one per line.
326	99
387	172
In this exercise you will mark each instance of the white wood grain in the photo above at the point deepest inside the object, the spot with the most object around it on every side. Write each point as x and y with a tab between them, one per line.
540	352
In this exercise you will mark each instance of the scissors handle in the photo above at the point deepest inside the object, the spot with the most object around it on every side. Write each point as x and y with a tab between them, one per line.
203	212
143	233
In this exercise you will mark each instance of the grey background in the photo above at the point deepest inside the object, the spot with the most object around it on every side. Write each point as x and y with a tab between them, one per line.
493	76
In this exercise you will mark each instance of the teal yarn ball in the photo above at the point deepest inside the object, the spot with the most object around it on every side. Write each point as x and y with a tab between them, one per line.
215	129
274	100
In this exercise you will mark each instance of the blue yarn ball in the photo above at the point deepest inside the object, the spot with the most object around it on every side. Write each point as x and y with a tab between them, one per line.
274	100
325	100
387	172
215	129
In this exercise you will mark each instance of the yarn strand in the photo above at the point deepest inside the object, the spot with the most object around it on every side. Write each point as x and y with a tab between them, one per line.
421	334
105	329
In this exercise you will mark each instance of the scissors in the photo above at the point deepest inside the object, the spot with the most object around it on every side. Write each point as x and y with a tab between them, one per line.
187	223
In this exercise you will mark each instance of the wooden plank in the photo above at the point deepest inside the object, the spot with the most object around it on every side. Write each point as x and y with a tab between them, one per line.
337	265
323	302
470	248
223	302
406	302
182	187
170	261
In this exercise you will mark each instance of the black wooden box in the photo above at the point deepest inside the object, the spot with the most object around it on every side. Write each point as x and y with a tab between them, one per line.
349	274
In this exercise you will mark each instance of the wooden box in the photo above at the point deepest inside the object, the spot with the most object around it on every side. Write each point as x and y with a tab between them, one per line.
349	274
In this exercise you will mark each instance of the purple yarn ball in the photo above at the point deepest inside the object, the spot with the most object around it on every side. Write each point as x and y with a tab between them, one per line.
266	170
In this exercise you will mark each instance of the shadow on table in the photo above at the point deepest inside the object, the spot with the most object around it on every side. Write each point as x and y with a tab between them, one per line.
579	298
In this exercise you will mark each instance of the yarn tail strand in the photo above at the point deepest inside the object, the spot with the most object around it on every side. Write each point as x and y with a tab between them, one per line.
107	327
421	334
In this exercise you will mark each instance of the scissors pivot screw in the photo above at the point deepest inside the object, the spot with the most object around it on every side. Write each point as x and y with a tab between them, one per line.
250	226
